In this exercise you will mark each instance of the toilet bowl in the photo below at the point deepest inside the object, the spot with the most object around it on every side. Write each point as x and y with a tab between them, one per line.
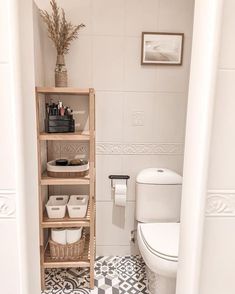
158	244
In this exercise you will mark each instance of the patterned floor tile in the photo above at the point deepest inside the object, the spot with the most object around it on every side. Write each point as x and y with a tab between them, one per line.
123	275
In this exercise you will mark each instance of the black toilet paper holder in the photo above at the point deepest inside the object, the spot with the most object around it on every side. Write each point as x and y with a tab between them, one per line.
118	177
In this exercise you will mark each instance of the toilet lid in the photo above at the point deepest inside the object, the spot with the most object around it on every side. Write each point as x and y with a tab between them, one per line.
162	239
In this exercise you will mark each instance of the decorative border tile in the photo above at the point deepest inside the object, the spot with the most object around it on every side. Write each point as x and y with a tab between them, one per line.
220	203
7	204
112	148
108	148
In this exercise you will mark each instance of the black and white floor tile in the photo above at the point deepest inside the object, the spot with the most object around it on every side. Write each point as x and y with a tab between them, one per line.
113	275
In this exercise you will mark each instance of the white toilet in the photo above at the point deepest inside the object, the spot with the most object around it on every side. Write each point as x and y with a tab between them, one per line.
158	199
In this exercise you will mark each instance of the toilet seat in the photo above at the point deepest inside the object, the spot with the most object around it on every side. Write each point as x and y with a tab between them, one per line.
161	239
158	244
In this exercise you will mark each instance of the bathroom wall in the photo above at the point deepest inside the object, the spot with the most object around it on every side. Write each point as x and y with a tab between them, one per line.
107	57
19	271
9	254
218	262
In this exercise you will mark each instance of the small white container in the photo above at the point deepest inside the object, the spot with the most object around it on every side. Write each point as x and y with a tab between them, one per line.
74	235
56	206
77	206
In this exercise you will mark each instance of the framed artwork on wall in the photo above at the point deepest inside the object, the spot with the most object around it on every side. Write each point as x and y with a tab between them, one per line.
162	48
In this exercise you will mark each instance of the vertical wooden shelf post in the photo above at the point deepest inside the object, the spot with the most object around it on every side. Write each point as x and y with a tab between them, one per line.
92	183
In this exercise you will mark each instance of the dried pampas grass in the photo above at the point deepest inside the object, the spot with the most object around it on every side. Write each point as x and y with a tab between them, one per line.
60	31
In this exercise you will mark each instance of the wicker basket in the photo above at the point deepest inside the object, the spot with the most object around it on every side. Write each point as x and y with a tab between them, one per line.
68	174
72	171
68	251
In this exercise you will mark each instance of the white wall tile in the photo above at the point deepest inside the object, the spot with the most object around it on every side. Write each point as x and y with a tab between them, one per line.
7	173
4	31
141	16
139	102
227	58
108	17
108	63
137	77
169	117
176	16
176	78
222	160
114	224
106	165
117	250
109	116
78	11
80	68
164	117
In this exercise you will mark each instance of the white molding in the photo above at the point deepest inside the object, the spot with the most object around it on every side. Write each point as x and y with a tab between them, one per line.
7	204
116	148
220	203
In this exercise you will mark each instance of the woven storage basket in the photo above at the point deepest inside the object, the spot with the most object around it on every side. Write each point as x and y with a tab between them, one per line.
68	174
54	170
67	252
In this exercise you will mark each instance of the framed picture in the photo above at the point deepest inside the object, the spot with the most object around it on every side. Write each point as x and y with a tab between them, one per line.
162	48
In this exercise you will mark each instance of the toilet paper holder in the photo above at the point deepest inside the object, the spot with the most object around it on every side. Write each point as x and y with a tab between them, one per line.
118	177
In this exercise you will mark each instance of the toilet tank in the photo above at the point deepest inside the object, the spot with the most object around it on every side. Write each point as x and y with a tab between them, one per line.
158	195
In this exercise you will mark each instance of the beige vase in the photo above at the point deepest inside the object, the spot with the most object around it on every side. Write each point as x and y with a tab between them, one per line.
61	77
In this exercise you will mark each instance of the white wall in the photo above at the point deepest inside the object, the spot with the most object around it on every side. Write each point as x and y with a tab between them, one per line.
107	57
218	262
9	254
19	270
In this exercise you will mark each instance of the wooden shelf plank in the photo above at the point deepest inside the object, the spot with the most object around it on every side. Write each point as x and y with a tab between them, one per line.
76	136
66	222
66	264
47	181
83	261
63	90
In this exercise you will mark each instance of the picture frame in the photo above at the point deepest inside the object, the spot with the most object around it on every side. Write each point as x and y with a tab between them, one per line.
162	48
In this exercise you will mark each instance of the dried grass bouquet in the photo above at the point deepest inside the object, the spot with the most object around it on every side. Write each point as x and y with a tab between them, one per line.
62	33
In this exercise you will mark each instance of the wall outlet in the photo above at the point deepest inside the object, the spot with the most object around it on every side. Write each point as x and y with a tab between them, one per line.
137	118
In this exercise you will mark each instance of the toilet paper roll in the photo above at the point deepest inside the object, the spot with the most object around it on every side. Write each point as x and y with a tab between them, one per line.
120	194
74	235
59	236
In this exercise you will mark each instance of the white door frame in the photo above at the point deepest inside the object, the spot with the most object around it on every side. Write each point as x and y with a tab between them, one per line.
207	23
205	49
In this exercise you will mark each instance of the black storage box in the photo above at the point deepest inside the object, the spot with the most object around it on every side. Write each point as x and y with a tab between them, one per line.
59	124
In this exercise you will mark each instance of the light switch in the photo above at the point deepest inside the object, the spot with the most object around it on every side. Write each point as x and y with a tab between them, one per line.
137	118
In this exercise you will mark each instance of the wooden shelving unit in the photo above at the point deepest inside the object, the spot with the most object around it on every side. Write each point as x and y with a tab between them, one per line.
44	181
